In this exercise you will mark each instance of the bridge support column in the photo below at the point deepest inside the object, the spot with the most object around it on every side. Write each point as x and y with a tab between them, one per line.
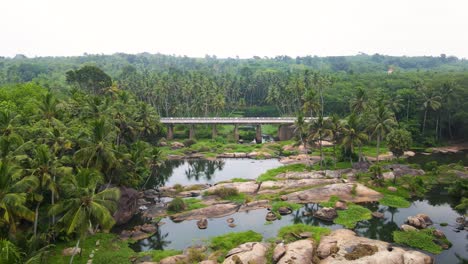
214	132
285	132
192	131
170	132
258	134
236	133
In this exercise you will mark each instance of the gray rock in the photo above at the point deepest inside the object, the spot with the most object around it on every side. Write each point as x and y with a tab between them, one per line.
326	213
251	252
270	216
378	214
202	223
300	251
278	252
284	210
407	228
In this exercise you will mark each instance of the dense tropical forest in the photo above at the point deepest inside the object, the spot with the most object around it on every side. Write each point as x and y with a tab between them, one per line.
75	129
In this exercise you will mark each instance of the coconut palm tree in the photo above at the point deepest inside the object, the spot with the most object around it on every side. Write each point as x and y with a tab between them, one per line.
301	130
353	135
336	129
97	151
82	208
359	102
319	130
432	101
13	194
381	122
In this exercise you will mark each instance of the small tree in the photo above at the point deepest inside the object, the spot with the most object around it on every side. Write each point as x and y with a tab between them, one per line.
398	141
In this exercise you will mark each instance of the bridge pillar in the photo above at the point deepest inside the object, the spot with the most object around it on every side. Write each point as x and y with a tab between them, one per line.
258	134
192	131
236	133
214	131
285	132
170	132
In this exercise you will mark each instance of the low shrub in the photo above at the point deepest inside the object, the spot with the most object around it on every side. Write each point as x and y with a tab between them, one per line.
189	142
422	239
176	205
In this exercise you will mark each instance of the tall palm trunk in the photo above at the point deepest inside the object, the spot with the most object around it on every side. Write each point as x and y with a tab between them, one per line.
424	121
437	128
74	251
321	152
407	110
36	218
378	147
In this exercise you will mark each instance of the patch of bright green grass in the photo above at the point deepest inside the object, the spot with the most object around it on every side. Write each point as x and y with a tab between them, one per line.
422	239
194	203
276	205
352	215
229	241
111	250
291	233
394	201
239	180
331	202
270	175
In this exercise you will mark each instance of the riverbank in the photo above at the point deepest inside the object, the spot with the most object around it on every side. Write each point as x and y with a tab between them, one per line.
273	200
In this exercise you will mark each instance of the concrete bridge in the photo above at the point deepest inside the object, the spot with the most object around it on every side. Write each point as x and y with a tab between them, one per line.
284	130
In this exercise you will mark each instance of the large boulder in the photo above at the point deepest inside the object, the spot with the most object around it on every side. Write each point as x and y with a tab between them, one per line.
344	246
251	252
174	259
300	251
326	213
127	206
419	221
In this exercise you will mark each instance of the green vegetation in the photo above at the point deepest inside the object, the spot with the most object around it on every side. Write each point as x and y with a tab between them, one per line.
110	250
230	194
270	175
228	241
352	215
394	201
291	233
293	206
193	203
177	205
331	202
422	239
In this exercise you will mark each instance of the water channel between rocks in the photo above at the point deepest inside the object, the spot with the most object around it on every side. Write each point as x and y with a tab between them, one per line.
437	204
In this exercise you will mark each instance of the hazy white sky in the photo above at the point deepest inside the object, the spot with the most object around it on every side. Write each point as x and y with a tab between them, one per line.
235	27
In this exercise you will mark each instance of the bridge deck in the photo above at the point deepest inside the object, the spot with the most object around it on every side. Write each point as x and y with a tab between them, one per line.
229	120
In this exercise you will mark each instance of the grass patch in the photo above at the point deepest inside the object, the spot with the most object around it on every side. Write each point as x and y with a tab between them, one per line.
194	203
230	194
276	205
331	202
239	180
228	241
111	250
270	175
291	233
352	215
157	255
422	239
394	201
176	205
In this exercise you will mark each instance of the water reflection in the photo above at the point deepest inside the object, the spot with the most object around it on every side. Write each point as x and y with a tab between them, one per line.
203	169
437	204
208	171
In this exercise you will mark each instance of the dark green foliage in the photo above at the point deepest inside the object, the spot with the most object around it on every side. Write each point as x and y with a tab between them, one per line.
398	141
176	205
90	78
189	142
271	174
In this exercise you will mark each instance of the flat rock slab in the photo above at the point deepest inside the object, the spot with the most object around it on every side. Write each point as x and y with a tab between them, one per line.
334	248
251	252
300	251
342	190
219	210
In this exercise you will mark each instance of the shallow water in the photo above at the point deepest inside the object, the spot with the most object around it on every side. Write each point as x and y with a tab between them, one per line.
187	172
441	158
437	204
